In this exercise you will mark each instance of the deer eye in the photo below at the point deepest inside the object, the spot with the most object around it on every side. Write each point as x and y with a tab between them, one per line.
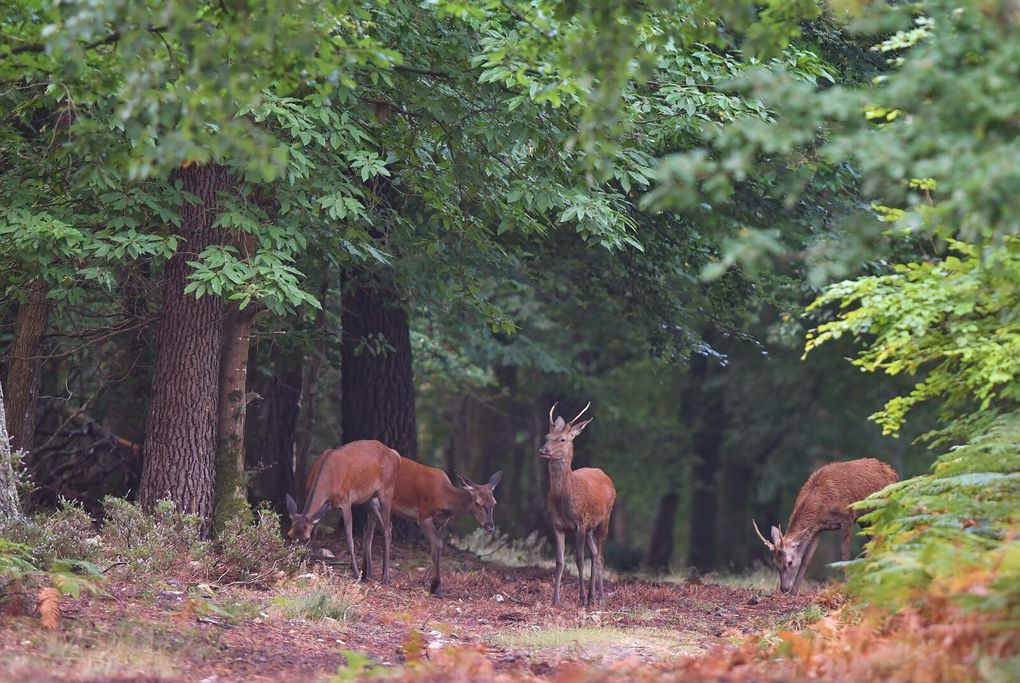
562	439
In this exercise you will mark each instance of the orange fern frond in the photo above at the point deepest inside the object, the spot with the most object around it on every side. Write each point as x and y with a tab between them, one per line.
49	607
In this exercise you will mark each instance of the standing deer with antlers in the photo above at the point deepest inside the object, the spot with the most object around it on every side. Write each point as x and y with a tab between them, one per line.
579	502
823	504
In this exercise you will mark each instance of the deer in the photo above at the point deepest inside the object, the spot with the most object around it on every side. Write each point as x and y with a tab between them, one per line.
357	473
823	504
426	495
579	502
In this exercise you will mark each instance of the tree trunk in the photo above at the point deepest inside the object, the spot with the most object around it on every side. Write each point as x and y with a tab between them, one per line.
309	398
24	363
377	381
10	507
271	444
660	545
231	487
180	432
705	445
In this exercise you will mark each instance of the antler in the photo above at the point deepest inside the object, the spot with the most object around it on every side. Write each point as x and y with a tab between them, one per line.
580	413
551	412
757	531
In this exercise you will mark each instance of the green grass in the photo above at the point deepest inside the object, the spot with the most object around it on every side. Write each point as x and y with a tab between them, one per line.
595	643
317	604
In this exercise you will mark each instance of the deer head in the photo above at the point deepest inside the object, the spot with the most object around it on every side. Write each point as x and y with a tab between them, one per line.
559	442
302	525
482	499
787	556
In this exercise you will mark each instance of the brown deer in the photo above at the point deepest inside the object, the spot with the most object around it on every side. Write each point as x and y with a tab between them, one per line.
580	502
361	472
823	505
426	495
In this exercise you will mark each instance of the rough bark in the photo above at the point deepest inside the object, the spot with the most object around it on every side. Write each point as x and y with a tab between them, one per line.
23	366
660	545
231	486
180	432
10	507
377	381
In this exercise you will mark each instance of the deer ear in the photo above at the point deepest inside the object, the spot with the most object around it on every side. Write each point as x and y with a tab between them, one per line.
777	535
495	479
559	424
464	481
321	512
578	428
291	506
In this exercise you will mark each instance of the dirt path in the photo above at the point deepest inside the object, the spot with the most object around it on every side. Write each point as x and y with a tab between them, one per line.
171	631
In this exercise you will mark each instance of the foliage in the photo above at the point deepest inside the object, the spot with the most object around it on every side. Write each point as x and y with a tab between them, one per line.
254	551
150	543
66	532
952	320
952	534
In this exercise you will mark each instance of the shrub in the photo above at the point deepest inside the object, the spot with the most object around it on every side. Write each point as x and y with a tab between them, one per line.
255	552
157	542
69	532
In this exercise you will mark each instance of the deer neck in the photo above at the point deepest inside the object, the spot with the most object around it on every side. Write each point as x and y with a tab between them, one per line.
559	473
458	500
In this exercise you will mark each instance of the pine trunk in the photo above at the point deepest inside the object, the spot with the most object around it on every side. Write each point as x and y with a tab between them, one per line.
180	432
377	381
24	364
231	487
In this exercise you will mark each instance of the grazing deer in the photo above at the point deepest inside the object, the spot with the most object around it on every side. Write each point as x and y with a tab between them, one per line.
823	505
579	501
357	473
426	495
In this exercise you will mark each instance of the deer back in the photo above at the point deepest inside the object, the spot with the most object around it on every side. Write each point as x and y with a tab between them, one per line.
825	498
353	473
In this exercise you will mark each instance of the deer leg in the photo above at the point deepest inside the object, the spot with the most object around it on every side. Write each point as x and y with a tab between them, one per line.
386	520
560	542
593	548
579	559
809	552
603	532
436	545
846	530
345	510
366	544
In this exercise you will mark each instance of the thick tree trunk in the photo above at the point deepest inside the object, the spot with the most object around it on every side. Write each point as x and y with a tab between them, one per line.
660	545
377	381
180	432
231	487
23	365
10	506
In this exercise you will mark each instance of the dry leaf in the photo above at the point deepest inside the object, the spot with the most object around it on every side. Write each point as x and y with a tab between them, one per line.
49	607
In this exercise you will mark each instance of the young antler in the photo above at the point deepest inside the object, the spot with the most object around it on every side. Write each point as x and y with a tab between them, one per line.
580	413
768	545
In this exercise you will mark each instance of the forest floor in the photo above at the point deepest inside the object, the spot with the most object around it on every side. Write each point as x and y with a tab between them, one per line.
306	627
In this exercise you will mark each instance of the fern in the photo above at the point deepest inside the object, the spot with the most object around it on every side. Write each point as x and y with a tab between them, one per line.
953	534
